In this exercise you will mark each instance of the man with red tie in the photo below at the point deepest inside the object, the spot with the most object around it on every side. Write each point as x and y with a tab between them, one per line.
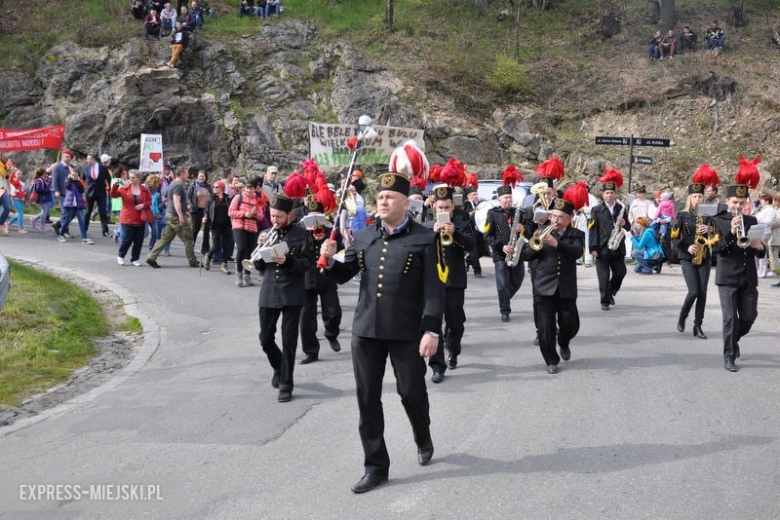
96	177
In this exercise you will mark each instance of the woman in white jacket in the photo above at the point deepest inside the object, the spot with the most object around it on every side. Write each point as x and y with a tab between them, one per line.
774	240
766	214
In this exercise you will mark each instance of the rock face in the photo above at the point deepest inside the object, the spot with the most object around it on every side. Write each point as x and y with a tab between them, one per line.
244	104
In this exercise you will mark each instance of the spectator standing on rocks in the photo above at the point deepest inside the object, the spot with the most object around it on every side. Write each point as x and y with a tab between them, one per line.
654	51
136	200
42	189
197	15
74	205
177	223
152	25
138	10
186	20
272	6
668	45
168	18
688	39
715	38
179	42
247	8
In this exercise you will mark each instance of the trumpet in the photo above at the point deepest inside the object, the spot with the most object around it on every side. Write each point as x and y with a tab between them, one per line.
249	263
446	238
742	240
536	243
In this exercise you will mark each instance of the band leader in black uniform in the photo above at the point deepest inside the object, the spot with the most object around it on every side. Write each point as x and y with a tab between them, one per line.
318	286
399	313
610	265
470	207
454	311
555	280
282	294
736	276
497	235
696	276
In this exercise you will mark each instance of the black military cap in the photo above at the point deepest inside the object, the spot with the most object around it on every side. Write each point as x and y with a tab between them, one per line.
415	190
549	180
394	182
696	187
506	189
609	186
737	190
470	190
562	204
443	193
315	207
281	203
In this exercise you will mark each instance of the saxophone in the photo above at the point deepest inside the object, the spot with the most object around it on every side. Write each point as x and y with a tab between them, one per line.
618	233
513	257
701	243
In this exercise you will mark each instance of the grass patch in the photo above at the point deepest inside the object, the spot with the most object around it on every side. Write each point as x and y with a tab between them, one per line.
45	332
132	324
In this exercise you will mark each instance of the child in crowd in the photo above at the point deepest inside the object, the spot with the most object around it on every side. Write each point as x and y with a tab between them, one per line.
41	193
665	213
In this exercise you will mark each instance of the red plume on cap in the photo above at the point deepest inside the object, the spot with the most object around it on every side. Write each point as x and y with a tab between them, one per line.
295	186
409	160
453	173
420	183
552	168
612	175
748	172
325	196
435	175
512	175
473	181
706	175
577	195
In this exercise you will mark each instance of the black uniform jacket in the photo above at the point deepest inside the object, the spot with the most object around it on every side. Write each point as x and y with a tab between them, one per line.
556	268
600	228
498	229
734	263
316	280
401	295
687	225
283	285
454	255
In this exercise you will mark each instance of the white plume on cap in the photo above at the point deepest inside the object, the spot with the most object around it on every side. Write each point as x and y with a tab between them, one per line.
409	160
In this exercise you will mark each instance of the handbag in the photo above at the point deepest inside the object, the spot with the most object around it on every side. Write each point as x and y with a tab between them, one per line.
147	215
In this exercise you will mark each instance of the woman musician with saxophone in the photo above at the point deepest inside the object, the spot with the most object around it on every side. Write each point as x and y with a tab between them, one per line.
695	255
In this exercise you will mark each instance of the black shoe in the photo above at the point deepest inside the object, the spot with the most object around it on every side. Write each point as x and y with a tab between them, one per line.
565	353
368	482
275	380
505	318
730	366
604	306
309	358
452	362
231	259
536	341
776	284
424	455
56	226
681	325
106	234
437	377
285	396
194	264
612	299
153	263
552	369
477	275
334	344
698	333
736	352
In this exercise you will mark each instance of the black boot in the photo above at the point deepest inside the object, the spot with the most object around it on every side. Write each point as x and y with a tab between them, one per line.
681	323
698	333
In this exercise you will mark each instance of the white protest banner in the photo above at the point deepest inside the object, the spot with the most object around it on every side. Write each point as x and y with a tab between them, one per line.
328	143
151	153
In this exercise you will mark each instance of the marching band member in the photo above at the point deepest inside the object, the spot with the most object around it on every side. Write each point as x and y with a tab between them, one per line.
736	276
470	206
556	251
604	218
461	241
696	270
498	230
282	293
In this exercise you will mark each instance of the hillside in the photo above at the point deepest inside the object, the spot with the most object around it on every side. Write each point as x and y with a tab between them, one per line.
448	66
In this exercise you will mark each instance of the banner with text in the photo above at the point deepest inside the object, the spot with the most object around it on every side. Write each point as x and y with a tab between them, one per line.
151	153
328	144
32	139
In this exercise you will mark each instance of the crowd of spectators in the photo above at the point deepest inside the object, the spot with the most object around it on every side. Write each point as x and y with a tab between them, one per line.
261	8
670	44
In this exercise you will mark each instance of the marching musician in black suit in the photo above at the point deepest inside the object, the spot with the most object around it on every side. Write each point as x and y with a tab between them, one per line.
318	286
282	293
454	313
399	313
470	207
97	178
736	276
497	234
555	279
610	264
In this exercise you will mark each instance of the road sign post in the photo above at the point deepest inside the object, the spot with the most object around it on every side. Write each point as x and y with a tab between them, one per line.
631	142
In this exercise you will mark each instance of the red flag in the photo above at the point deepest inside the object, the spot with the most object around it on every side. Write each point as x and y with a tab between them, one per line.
32	139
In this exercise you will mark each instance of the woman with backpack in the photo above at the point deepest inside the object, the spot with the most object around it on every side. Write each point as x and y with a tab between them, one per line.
41	193
243	210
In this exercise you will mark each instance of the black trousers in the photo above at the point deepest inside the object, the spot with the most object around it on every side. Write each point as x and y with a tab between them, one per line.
696	278
282	361
554	309
246	242
476	253
331	318
197	223
508	282
739	306
132	235
532	268
220	242
455	318
611	269
369	357
100	199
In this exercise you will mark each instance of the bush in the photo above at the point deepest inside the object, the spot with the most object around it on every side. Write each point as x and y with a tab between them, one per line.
508	77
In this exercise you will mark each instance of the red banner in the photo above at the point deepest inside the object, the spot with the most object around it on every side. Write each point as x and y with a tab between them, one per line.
33	139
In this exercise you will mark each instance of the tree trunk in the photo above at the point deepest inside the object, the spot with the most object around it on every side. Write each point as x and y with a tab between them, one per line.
653	10
389	7
736	16
668	15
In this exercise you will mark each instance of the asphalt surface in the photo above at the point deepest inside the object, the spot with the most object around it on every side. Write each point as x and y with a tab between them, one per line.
643	422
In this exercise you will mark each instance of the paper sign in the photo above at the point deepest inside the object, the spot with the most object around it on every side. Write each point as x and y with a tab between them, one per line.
328	144
151	153
707	210
756	232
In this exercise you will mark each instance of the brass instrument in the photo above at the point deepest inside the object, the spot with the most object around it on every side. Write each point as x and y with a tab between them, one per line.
249	263
618	233
516	241
537	241
446	238
742	240
538	189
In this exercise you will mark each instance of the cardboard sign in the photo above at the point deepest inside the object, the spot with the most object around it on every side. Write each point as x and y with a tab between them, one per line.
151	153
328	144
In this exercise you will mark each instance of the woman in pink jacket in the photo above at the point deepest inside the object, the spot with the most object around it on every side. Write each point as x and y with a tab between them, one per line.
136	199
243	210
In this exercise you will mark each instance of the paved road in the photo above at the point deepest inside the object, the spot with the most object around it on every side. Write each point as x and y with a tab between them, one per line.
642	423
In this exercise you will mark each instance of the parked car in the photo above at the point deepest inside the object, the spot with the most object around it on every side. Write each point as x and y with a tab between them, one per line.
5	280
